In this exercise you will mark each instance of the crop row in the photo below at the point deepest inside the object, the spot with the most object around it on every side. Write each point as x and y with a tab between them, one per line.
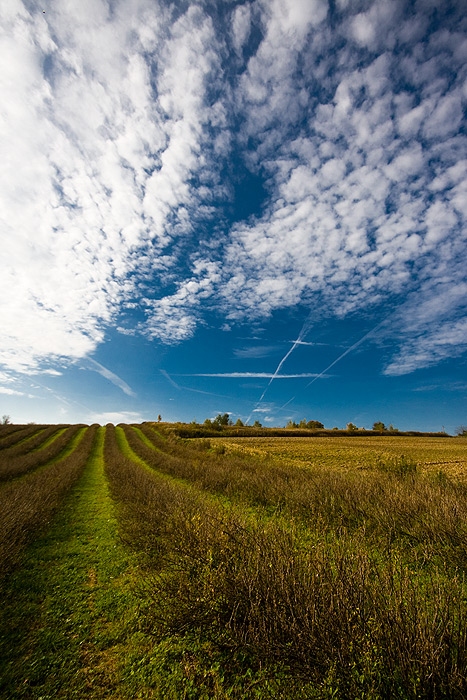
21	434
337	607
9	434
20	463
33	440
393	502
29	503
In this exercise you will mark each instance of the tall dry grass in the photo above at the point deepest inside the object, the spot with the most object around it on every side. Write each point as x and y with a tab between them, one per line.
390	500
341	607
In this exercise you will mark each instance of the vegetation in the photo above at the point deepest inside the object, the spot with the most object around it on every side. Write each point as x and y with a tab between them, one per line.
29	503
212	428
246	567
15	461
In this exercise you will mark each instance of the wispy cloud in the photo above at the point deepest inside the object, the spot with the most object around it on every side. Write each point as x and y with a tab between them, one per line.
11	392
169	379
253	375
89	363
443	386
186	388
257	352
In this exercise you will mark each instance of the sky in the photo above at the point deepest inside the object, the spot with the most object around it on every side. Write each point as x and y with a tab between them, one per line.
222	206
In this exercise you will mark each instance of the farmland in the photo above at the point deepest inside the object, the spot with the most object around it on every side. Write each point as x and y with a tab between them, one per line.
430	454
136	564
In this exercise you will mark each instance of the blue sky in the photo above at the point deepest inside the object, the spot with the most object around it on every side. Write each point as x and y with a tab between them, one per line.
246	207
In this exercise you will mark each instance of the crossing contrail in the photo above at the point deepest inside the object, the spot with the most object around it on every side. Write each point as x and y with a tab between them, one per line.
298	341
352	347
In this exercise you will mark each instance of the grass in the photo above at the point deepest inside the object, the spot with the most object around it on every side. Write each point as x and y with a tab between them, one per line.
348	612
355	453
70	604
30	502
58	446
35	441
226	575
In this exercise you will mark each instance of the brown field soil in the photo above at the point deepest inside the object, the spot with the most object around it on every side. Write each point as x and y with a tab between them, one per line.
430	454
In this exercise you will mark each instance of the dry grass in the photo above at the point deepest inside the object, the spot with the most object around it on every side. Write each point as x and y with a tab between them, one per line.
351	610
353	453
392	501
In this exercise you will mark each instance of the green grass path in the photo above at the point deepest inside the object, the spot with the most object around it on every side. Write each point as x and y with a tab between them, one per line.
68	616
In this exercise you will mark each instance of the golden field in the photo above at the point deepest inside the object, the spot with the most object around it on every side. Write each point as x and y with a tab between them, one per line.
431	454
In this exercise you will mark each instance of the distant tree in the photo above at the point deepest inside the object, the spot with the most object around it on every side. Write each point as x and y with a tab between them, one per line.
291	424
461	431
379	425
257	424
351	427
159	418
239	423
221	420
392	429
208	423
302	423
314	425
6	420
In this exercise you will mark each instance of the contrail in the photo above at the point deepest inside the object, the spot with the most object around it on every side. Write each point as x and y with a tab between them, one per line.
186	388
169	378
355	345
301	335
111	376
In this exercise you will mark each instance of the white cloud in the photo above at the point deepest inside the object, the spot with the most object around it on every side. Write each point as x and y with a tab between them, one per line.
100	147
120	126
433	329
10	392
115	417
241	25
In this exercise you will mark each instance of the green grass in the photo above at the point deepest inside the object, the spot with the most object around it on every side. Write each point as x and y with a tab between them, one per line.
72	445
68	614
50	439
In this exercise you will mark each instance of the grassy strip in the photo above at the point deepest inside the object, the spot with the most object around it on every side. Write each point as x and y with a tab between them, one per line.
66	630
28	504
58	446
54	437
144	438
392	502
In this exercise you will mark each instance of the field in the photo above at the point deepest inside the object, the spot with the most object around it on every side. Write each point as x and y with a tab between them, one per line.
430	454
136	564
